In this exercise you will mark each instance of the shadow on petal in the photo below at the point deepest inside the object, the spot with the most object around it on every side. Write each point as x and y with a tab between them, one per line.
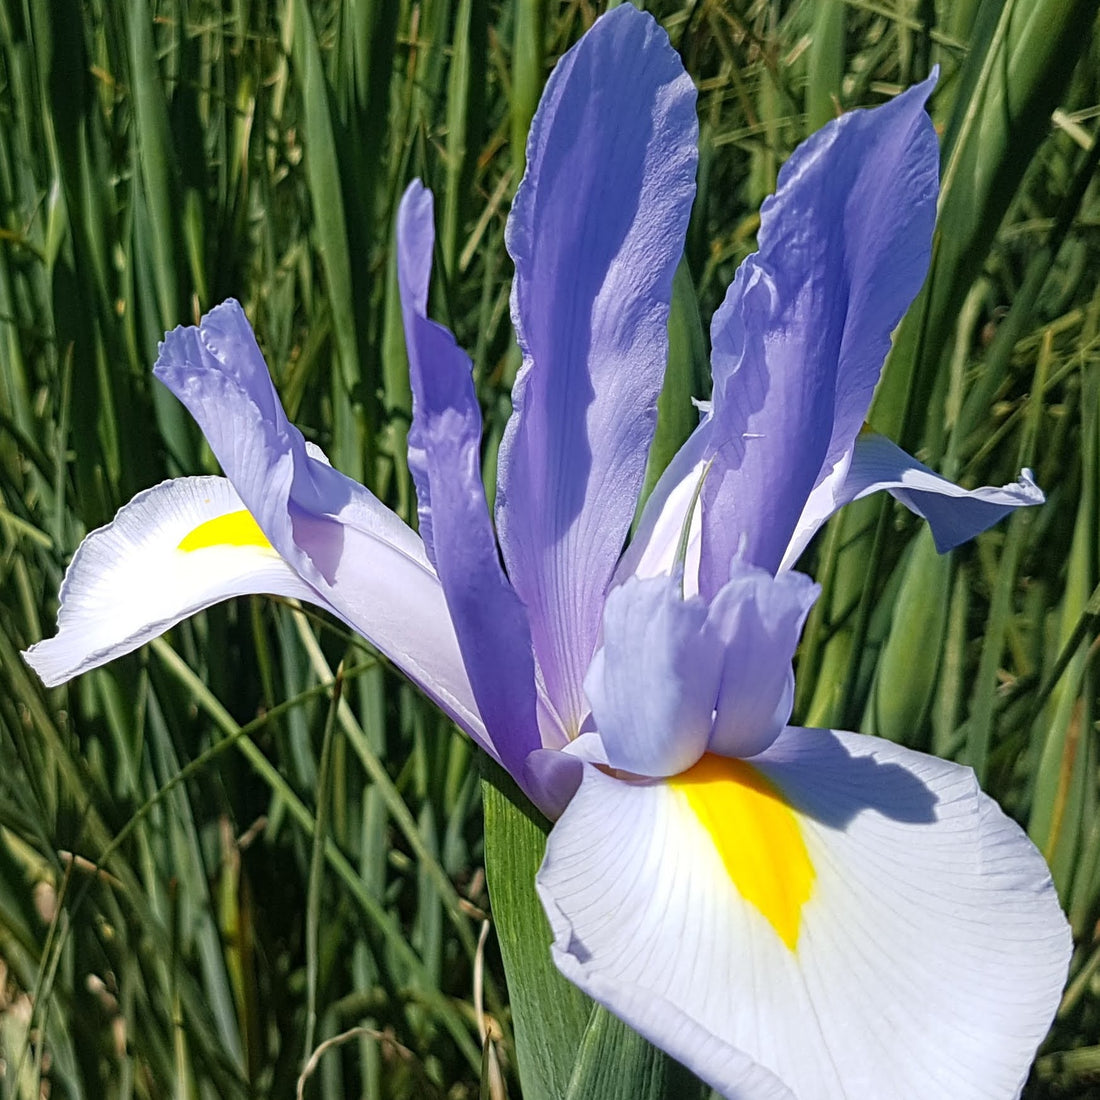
825	779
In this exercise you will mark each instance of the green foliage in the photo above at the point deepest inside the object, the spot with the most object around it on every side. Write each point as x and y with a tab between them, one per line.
210	860
567	1047
548	1029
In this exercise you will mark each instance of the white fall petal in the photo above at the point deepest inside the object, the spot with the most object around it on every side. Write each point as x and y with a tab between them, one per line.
876	927
175	549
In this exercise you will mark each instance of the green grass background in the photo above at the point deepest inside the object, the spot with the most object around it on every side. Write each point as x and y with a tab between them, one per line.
207	865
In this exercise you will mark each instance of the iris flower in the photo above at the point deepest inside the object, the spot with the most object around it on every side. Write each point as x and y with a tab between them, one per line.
789	912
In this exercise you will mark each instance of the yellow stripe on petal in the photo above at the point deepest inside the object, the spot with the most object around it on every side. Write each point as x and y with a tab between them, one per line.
757	835
231	529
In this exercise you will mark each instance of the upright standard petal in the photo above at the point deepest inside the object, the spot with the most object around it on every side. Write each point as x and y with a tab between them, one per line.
445	458
954	514
596	232
654	681
800	340
842	918
335	534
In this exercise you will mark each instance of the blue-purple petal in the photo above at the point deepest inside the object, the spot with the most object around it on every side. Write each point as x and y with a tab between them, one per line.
758	618
596	232
654	681
799	342
445	458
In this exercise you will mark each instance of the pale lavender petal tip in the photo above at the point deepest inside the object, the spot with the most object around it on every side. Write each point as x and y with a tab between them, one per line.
551	778
759	619
653	683
954	514
415	239
218	371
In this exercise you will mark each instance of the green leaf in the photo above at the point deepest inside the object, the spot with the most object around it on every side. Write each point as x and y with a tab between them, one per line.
549	1014
906	677
527	75
1066	757
465	120
826	64
568	1047
323	172
616	1063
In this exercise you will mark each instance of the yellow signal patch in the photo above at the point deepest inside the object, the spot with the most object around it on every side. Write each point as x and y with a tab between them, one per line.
757	835
232	529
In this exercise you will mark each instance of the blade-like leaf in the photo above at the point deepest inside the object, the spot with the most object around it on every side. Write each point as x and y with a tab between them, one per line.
568	1047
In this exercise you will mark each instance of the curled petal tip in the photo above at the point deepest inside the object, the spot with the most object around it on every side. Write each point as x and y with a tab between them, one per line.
365	563
596	231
